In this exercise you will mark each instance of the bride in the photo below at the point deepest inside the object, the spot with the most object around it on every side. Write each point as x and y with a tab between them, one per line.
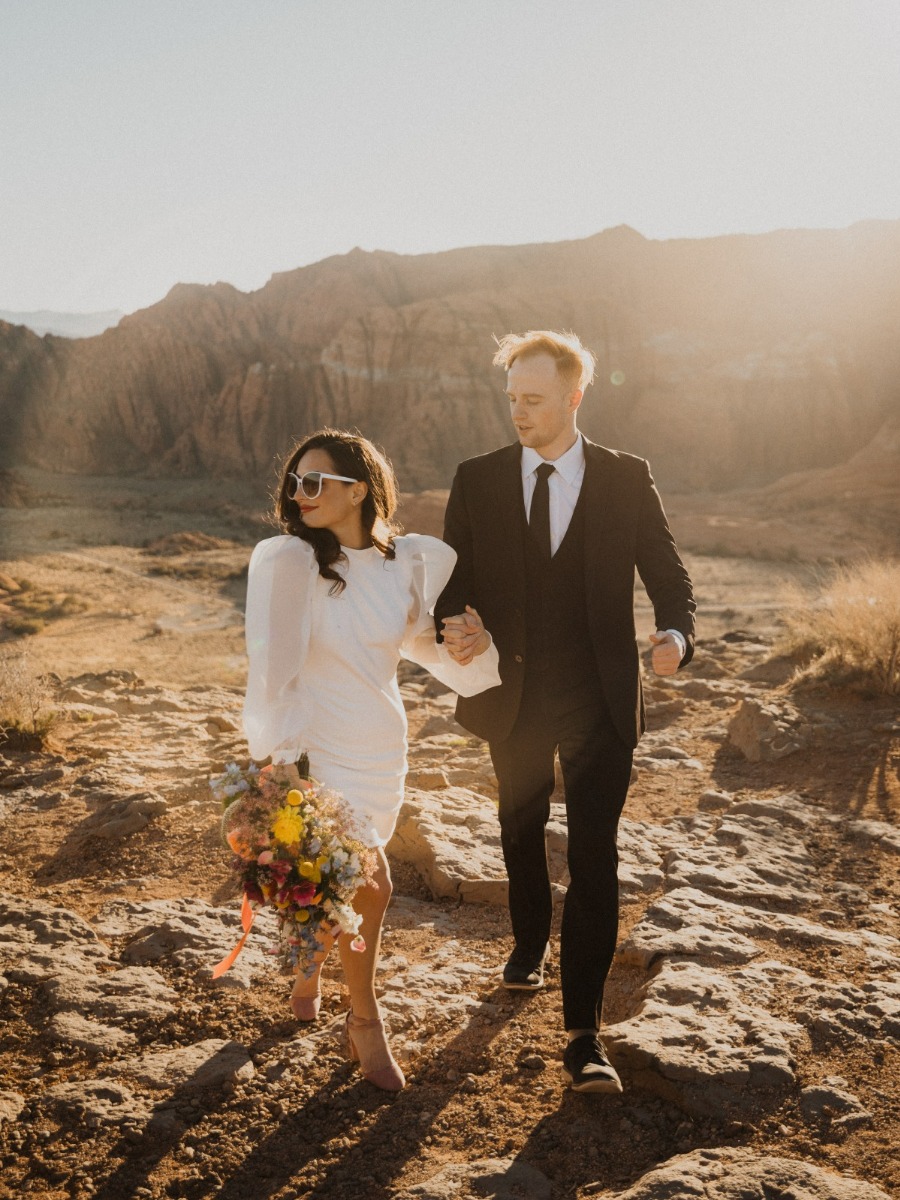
333	603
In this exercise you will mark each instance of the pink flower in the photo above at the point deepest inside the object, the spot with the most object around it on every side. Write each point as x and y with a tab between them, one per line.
302	893
266	858
358	944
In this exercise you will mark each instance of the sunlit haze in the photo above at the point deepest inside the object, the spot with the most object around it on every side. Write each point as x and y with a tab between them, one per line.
146	144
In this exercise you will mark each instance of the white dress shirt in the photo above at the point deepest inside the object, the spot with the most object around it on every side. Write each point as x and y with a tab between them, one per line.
565	486
564	483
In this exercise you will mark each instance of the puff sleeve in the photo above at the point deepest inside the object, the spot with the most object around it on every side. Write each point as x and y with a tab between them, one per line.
432	563
280	580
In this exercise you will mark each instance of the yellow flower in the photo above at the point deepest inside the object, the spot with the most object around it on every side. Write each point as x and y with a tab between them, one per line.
294	797
287	826
302	916
310	870
313	870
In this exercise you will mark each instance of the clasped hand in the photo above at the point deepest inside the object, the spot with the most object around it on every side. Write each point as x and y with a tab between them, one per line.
465	636
666	654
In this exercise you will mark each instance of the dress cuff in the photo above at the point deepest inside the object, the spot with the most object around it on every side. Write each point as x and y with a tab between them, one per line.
284	758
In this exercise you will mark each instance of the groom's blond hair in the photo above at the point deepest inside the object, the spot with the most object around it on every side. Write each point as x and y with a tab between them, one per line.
574	361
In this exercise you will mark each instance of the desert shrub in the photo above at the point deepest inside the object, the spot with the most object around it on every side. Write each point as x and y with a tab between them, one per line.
25	697
850	632
29	608
25	625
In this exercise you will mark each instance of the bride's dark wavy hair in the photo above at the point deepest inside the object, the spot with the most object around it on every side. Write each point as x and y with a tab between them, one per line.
356	457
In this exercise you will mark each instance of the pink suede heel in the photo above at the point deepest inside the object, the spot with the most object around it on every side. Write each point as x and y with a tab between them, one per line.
367	1045
306	1008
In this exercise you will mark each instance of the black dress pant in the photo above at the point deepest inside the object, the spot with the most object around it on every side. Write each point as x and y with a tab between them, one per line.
596	768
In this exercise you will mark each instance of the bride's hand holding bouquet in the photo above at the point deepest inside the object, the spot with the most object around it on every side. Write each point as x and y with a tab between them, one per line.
296	849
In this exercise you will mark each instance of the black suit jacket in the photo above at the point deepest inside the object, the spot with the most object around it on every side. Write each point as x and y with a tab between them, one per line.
625	529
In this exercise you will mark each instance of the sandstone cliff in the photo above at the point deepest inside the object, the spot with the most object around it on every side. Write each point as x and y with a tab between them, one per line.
727	361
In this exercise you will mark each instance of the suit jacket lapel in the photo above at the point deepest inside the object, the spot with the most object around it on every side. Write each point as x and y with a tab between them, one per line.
598	504
510	512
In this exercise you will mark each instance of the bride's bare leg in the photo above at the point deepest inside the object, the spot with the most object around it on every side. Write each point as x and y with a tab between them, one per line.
305	996
359	966
365	1031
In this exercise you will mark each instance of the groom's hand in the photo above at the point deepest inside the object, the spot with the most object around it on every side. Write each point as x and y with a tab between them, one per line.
666	653
465	636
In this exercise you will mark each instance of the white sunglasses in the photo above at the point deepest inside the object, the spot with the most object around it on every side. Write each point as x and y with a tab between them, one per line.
310	484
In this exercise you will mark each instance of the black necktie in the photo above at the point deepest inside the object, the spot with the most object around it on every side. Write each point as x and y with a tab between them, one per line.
539	518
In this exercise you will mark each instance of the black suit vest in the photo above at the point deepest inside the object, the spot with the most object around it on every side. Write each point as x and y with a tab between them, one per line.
558	659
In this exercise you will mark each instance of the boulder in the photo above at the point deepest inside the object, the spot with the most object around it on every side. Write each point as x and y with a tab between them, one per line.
120	818
764	731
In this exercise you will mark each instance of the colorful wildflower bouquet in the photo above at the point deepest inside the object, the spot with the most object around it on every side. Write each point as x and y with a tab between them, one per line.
298	850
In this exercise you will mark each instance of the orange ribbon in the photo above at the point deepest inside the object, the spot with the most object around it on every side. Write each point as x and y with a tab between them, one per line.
248	916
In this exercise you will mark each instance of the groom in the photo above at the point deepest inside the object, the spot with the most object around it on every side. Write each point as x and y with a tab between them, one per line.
548	533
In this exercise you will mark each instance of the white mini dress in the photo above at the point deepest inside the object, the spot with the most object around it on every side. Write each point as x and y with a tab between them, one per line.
323	668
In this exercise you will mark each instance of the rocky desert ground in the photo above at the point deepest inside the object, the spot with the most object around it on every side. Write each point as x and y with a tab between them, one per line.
754	1003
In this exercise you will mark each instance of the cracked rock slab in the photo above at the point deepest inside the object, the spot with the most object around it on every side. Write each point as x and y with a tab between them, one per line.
96	1102
191	933
11	1104
446	982
743	1174
38	940
879	833
691	923
752	858
841	1012
131	994
698	1040
493	1178
71	1029
453	840
206	1064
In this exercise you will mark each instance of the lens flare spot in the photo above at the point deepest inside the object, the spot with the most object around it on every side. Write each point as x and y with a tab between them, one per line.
617	378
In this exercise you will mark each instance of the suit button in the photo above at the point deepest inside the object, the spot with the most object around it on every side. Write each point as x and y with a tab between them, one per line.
519	658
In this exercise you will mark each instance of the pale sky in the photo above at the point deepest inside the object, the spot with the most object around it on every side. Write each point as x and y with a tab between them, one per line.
152	142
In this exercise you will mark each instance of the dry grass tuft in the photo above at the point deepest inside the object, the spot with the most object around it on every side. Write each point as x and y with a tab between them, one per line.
25	696
850	633
26	609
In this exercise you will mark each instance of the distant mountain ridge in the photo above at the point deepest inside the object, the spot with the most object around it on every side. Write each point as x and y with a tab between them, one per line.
727	361
64	324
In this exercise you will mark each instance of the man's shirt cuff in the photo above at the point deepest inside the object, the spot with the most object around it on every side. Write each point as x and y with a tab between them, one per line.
680	639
